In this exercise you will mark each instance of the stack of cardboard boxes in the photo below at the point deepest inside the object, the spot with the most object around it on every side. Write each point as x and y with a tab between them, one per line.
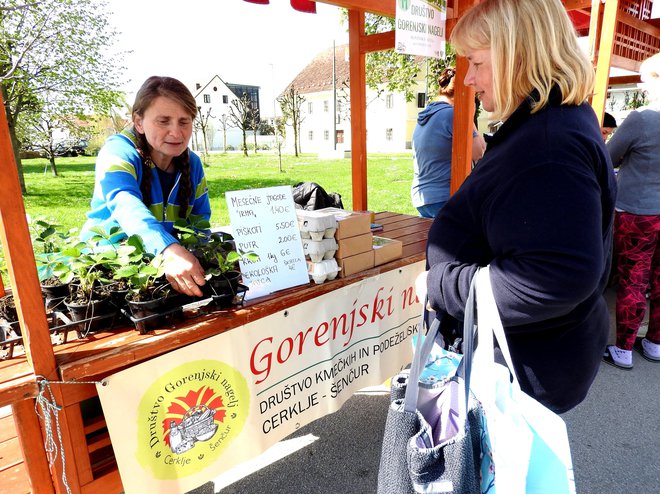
346	250
357	248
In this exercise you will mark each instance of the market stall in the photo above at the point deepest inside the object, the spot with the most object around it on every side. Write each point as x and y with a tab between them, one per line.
81	435
83	363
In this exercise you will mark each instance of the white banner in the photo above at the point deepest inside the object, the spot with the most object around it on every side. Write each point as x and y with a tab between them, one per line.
420	27
179	420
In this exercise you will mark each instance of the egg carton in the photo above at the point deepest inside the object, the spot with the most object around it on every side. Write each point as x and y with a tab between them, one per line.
318	250
322	271
316	225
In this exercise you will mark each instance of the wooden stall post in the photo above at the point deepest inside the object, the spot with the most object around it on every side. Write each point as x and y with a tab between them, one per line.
461	146
604	56
29	304
358	110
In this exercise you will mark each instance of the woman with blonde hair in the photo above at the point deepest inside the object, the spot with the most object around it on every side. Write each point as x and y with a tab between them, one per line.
538	208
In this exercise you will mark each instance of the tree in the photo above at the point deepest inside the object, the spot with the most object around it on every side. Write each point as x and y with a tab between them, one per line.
55	47
203	124
120	115
388	71
290	103
240	114
51	132
224	125
255	120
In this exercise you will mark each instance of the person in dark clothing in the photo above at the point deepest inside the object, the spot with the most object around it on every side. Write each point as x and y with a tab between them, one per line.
539	206
609	124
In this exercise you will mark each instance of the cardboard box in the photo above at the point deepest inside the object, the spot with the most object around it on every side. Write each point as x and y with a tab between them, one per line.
351	246
386	250
355	264
350	223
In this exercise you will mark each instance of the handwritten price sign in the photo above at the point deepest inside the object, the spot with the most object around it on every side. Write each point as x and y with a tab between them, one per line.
264	221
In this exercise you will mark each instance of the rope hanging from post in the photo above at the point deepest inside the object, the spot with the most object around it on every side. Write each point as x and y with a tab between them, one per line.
45	401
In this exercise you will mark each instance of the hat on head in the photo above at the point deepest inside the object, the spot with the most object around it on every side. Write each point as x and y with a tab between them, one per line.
609	121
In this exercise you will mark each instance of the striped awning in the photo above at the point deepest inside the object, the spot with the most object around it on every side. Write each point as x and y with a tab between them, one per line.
300	5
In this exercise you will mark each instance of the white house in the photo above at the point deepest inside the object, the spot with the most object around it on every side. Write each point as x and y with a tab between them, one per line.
390	119
214	102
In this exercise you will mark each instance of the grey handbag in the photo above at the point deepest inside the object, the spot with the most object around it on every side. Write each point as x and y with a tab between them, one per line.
432	437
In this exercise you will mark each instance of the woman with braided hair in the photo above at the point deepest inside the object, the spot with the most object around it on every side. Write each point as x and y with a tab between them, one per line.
147	178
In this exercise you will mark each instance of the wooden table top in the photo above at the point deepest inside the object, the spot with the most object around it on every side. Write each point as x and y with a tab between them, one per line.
106	352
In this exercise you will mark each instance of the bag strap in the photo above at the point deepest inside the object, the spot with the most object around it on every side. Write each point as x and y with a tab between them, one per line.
489	325
423	350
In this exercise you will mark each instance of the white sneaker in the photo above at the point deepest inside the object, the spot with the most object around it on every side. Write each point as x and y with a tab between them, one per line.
647	349
618	357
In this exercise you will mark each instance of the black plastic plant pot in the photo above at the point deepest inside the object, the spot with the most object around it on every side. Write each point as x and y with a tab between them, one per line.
93	316
9	313
221	285
54	296
152	314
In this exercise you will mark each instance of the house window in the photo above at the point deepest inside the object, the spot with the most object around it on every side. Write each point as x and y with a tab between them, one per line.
207	98
310	135
389	101
225	99
326	106
388	134
310	106
326	135
421	100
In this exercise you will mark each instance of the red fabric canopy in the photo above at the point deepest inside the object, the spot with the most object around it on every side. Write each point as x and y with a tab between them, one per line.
300	5
304	6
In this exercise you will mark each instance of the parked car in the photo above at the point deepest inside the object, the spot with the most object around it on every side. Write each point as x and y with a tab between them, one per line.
62	148
71	148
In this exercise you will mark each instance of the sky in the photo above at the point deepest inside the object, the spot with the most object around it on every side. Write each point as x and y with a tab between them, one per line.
241	42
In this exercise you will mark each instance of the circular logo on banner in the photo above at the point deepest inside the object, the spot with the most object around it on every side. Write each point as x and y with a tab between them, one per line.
189	416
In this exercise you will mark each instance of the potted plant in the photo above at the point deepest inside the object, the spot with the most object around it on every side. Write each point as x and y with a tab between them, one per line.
48	242
88	269
8	312
148	293
220	262
216	253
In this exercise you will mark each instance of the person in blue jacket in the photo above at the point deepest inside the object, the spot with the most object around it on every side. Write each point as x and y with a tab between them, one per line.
147	178
538	207
431	142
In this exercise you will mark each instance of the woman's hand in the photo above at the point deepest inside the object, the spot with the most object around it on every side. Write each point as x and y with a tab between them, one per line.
183	271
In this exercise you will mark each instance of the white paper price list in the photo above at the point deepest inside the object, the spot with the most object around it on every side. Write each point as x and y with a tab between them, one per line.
264	221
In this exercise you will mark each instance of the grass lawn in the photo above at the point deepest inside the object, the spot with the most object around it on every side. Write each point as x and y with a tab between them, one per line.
65	199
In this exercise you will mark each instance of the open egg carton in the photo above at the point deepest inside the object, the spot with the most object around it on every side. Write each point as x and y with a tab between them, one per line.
325	270
316	225
318	250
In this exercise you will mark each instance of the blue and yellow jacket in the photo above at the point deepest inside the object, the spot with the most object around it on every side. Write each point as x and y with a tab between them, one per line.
117	200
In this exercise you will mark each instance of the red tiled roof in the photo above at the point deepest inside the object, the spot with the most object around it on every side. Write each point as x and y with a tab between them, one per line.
317	76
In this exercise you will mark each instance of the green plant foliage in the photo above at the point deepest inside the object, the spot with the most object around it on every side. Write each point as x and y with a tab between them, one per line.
216	254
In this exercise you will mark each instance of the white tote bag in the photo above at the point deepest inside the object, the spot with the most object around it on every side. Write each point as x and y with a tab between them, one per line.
529	443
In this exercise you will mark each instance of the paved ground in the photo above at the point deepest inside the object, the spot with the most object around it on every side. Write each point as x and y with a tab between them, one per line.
615	441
